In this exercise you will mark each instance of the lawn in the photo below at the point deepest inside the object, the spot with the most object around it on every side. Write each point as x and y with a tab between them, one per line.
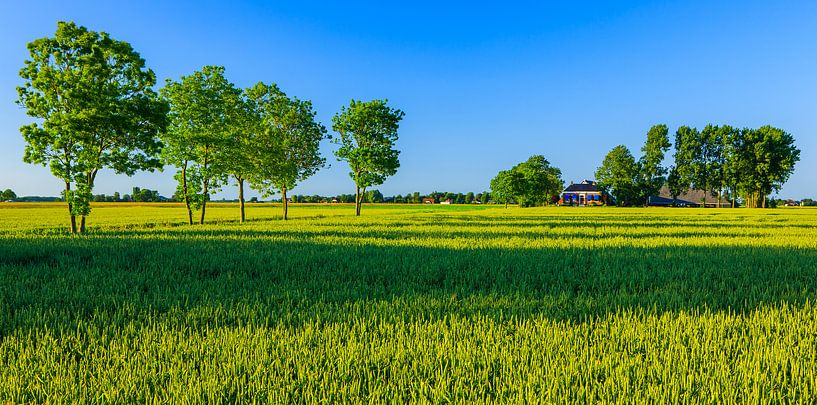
409	303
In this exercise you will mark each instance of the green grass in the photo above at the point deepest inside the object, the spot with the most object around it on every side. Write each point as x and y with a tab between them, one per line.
409	303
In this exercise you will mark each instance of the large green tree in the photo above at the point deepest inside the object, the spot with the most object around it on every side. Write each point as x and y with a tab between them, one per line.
617	175
368	133
506	186
286	150
541	182
7	194
687	151
93	98
203	113
768	157
651	172
530	183
245	127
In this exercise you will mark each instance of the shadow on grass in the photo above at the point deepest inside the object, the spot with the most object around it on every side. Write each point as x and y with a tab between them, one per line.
204	280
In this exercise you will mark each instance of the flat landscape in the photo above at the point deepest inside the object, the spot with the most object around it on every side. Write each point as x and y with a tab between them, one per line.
408	302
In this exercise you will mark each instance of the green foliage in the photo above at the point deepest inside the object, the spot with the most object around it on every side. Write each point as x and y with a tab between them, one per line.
205	115
531	183
506	186
541	182
457	304
373	196
92	96
651	173
7	194
368	133
286	149
764	160
617	176
750	162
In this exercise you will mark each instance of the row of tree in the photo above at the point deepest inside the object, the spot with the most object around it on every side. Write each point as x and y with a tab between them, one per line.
747	163
95	107
137	195
531	183
629	181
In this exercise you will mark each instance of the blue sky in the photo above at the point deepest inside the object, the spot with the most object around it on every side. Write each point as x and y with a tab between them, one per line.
483	85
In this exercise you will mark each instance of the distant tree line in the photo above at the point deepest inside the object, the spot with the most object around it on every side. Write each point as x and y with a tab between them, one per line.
722	161
137	195
94	106
375	196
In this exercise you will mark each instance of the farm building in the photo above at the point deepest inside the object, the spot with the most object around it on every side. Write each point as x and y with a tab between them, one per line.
581	194
689	198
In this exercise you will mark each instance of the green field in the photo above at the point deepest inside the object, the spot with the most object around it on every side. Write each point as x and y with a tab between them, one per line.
423	303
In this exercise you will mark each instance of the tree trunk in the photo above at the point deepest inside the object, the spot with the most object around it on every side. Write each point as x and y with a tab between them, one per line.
186	195
284	201
357	200
91	177
241	197
70	207
720	191
204	200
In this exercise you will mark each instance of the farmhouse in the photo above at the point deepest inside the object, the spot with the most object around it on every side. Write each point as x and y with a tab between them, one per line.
581	194
689	198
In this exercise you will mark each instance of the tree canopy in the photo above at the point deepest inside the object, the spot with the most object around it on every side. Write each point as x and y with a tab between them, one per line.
617	175
93	98
204	109
368	133
286	149
531	183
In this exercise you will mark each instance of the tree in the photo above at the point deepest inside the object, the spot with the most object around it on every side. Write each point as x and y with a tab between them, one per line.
374	196
93	96
617	175
674	184
540	181
287	148
506	186
651	174
687	151
244	128
202	123
768	156
469	197
7	195
368	133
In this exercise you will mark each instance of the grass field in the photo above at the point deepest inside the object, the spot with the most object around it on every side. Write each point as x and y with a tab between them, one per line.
439	304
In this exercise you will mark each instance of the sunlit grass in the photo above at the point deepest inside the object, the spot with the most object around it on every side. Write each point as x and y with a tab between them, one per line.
409	303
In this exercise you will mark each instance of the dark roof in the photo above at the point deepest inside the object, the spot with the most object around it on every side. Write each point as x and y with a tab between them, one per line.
660	201
691	196
583	186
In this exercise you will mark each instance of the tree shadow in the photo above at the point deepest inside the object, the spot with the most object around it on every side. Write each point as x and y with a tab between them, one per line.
203	278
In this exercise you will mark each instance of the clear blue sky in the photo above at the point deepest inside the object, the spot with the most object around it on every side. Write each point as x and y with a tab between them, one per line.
483	86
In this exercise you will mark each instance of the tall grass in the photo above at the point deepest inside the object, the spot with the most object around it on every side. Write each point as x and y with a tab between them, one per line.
410	303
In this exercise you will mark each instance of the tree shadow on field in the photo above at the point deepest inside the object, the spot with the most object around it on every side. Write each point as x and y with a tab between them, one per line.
212	277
